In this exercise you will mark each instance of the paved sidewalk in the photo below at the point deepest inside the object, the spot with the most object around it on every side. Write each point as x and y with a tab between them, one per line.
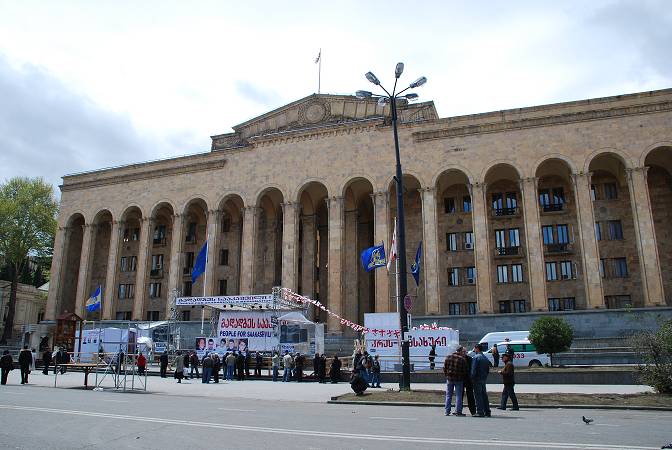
300	392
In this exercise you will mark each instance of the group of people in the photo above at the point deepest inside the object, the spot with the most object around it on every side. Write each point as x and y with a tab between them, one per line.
465	373
27	359
365	372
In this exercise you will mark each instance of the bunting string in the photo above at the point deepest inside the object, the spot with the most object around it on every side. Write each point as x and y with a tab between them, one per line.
290	296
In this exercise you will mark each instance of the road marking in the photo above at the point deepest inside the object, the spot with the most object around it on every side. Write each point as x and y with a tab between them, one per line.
326	434
234	409
15	393
114	401
393	418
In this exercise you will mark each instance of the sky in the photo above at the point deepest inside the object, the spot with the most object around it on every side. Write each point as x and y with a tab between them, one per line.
86	85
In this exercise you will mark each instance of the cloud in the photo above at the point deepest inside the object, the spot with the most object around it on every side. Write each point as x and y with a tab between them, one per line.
47	129
265	97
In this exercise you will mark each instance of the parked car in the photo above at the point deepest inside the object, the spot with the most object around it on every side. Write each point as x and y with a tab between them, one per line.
489	339
524	354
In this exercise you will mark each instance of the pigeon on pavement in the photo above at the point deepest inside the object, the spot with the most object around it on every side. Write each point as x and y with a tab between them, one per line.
587	420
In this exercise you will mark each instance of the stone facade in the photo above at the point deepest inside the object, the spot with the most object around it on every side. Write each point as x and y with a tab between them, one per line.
560	207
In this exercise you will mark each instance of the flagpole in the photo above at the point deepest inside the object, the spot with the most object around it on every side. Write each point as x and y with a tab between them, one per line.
205	279
319	73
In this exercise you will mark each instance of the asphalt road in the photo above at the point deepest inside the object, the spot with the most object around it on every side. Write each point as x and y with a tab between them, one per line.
33	417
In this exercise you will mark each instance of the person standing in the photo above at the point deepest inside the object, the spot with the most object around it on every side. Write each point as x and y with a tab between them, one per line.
480	366
6	365
322	374
509	350
287	363
46	361
216	367
299	362
468	385
432	357
495	356
142	365
240	366
508	379
25	360
187	359
335	370
275	365
248	360
375	373
455	370
163	364
258	362
230	361
207	368
316	366
193	363
179	367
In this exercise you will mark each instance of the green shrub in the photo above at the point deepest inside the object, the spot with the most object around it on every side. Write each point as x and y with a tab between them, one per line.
655	349
551	335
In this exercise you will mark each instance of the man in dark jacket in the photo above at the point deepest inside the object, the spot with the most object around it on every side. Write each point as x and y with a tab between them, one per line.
468	385
6	365
480	366
163	363
322	373
508	380
248	360
258	362
193	363
455	370
335	370
187	358
216	366
299	362
25	359
316	366
207	368
46	360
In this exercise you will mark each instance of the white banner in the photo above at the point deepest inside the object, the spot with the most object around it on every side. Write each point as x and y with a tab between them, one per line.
251	330
236	300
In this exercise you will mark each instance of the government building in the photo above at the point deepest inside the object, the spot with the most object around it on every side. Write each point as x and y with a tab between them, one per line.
562	207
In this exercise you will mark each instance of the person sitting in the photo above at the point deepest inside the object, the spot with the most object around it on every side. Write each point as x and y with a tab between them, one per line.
358	383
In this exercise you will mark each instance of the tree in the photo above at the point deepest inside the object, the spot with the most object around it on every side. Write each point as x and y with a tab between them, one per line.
27	227
655	349
551	335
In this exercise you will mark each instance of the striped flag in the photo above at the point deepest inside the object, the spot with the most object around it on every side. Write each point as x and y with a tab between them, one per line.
393	248
319	56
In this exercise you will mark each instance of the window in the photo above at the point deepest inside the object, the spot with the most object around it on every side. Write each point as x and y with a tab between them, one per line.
454	309
551	271
547	233
451	242
186	316
189	260
186	289
453	276
468	240
123	264
127	234
466	204
566	270
226	223
500	240
191	232
563	234
558	196
224	257
154	290
157	262
511	200
514	237
126	291
620	268
471	308
516	273
617	301
544	197
123	315
497	201
502	274
598	231
449	205
122	291
518	306
135	234
594	195
40	316
603	272
159	233
509	306
610	191
470	274
132	263
152	316
222	287
615	230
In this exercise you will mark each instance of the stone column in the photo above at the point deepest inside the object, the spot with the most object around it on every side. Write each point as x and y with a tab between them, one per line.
214	218
84	266
645	234
429	273
141	269
290	245
482	251
57	263
589	250
533	245
175	252
308	256
335	271
111	275
247	249
381	214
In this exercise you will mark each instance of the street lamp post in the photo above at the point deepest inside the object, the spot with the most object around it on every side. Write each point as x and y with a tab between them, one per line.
392	98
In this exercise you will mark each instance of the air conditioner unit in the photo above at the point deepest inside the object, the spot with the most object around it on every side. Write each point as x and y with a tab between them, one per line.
470	281
468	246
564	276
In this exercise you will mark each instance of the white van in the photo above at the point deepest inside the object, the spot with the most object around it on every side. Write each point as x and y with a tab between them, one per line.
491	339
524	354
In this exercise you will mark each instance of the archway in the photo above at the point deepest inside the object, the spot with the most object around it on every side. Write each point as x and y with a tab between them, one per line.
229	241
71	261
127	264
158	266
100	251
268	257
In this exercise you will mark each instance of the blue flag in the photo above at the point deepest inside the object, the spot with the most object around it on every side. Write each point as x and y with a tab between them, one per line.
373	257
415	267
93	303
199	264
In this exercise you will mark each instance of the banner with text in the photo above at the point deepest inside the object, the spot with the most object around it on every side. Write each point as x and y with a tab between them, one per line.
249	329
235	300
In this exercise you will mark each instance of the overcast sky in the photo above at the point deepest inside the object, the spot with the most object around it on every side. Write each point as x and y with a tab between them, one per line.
86	85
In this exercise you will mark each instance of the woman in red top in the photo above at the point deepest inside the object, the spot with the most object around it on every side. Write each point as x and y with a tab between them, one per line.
142	364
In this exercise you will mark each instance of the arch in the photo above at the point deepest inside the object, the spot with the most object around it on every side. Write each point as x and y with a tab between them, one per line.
340	190
193	199
100	214
549	157
414	175
452	167
160	204
73	217
358	187
130	208
260	192
304	184
312	192
231	195
654	148
620	154
499	163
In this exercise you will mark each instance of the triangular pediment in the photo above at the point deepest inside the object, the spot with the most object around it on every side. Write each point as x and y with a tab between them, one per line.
316	110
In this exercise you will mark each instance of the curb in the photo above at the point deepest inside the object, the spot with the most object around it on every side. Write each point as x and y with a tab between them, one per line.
441	405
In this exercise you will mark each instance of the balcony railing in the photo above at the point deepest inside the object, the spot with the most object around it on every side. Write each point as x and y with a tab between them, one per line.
159	241
504	212
156	273
187	271
552	207
508	251
558	248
